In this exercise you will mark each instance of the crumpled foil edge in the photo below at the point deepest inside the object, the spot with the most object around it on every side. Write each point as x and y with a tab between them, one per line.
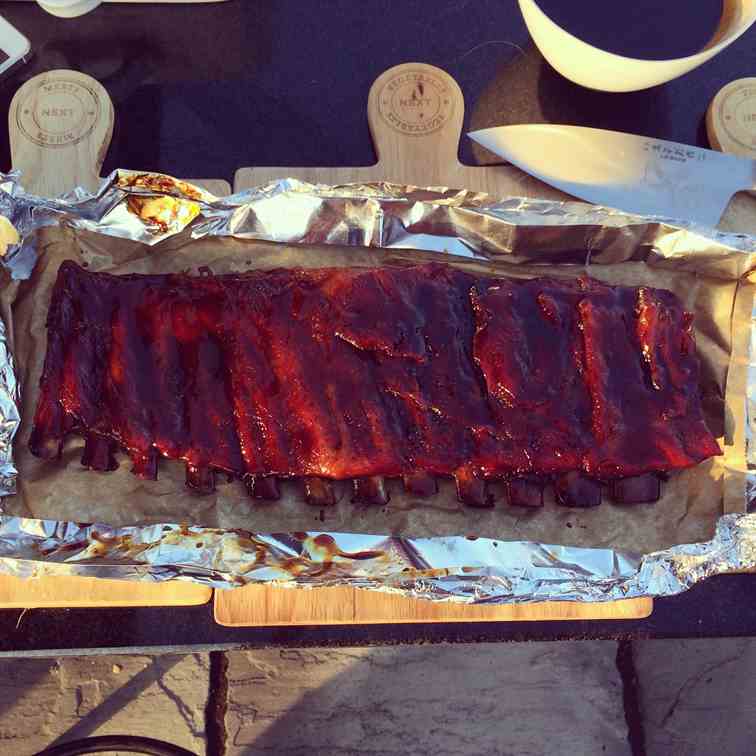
9	415
480	570
459	569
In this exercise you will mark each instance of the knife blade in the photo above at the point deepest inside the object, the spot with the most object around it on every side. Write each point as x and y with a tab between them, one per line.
633	173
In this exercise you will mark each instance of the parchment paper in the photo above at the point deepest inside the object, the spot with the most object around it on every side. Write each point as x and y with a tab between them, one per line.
716	291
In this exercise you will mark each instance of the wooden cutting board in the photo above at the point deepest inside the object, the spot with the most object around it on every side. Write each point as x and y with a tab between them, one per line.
60	126
264	606
54	592
415	114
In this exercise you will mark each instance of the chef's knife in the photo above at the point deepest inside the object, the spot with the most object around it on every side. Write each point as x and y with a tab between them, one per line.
637	174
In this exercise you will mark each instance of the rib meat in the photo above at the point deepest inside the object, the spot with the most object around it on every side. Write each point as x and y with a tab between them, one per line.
362	374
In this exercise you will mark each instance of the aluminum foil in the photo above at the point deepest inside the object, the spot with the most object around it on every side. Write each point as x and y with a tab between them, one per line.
9	415
151	208
477	570
459	222
751	420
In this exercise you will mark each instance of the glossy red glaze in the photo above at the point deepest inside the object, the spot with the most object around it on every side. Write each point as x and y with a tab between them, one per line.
370	373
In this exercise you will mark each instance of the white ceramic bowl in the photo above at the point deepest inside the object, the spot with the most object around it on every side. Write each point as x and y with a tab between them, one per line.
68	8
598	69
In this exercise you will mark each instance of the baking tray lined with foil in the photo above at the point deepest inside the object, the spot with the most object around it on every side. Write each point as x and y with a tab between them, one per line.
310	227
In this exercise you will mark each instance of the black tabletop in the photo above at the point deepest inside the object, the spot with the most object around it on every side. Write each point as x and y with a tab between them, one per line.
202	90
724	606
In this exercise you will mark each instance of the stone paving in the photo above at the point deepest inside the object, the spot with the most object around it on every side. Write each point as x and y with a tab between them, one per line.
534	698
698	697
43	699
693	698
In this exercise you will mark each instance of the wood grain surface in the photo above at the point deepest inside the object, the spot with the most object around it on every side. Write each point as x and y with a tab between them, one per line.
415	114
65	591
265	606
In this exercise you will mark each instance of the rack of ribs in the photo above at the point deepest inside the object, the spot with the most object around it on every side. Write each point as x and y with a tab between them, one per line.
364	374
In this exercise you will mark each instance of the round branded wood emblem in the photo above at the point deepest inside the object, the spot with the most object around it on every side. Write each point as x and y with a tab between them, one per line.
731	119
57	111
415	103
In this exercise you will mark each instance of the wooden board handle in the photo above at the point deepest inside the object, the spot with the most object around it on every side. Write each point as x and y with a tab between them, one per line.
60	125
730	120
415	114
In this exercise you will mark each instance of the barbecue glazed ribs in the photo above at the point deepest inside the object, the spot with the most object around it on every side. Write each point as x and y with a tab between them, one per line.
364	374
